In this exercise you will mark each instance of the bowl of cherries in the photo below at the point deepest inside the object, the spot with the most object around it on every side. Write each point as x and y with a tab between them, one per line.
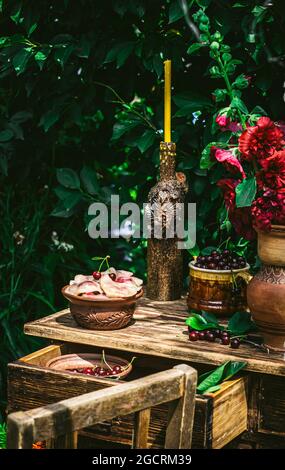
96	365
217	283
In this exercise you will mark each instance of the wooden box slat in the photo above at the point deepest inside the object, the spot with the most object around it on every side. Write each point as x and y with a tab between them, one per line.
219	417
158	330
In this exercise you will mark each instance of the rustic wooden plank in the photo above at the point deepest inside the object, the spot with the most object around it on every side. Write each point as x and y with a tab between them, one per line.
158	330
31	385
66	441
141	429
20	431
88	409
229	402
181	416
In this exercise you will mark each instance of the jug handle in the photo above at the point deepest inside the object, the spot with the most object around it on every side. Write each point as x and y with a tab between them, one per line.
245	276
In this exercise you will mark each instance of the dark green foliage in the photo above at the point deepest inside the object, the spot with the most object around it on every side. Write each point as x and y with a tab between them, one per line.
81	119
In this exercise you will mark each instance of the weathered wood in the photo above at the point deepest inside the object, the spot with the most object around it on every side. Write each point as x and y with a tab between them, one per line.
159	330
20	431
66	441
141	428
76	413
229	413
31	385
181	413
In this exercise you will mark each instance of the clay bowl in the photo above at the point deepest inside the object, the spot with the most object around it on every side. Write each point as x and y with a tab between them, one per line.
68	362
109	314
211	290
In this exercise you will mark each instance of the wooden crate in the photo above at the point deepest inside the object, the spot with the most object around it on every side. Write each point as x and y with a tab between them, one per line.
219	417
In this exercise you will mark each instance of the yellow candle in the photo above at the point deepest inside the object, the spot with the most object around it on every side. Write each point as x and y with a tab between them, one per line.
167	101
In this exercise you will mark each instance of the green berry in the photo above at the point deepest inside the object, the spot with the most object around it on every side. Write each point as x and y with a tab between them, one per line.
215	46
217	36
203	27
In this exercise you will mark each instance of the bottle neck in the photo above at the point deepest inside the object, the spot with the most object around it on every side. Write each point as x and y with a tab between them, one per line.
167	160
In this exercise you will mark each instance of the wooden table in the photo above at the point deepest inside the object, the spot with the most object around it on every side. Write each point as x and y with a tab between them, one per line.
159	331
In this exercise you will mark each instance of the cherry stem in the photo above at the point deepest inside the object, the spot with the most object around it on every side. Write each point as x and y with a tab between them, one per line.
128	365
104	360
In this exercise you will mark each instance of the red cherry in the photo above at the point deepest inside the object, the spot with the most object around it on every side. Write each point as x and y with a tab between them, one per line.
193	336
102	372
96	275
117	369
112	276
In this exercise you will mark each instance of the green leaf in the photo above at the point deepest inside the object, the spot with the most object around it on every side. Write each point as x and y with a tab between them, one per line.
61	211
72	200
220	94
195	251
211	379
68	178
195	47
206	162
175	11
121	128
16	13
120	53
210	317
21	116
62	53
6	135
245	192
157	65
240	82
197	322
20	60
240	323
40	58
89	180
84	48
49	119
239	104
213	389
145	141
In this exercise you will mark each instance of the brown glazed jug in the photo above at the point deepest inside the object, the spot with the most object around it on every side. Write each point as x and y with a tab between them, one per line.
266	291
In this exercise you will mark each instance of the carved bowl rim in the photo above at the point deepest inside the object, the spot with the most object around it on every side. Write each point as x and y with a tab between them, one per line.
101	303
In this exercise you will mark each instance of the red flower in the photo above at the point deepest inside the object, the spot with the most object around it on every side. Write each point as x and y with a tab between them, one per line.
239	217
241	220
231	162
269	209
272	174
228	185
261	140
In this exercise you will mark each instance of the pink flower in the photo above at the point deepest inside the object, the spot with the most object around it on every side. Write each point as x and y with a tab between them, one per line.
231	162
222	120
226	124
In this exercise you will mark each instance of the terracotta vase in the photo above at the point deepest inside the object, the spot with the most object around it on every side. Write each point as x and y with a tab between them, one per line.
212	290
266	291
109	314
